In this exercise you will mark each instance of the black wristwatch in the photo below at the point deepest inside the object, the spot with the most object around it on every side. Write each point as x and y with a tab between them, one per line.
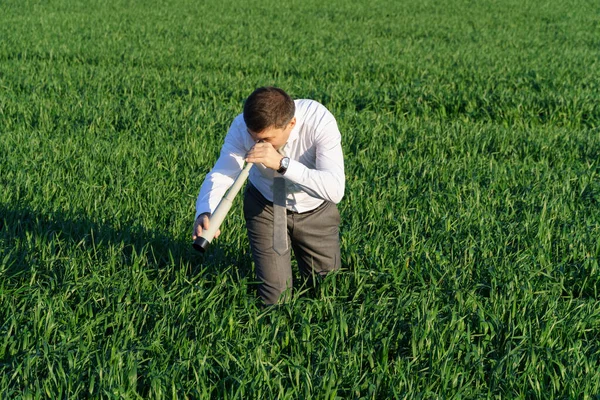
283	165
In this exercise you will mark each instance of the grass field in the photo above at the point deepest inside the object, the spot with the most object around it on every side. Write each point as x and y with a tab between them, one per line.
470	226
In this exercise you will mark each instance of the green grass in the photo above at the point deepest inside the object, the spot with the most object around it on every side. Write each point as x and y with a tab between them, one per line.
470	226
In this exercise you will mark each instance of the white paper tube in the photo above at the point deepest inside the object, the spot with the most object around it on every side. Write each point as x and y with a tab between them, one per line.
201	243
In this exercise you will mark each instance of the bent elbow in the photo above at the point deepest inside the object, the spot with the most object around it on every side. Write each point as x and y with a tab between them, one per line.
338	193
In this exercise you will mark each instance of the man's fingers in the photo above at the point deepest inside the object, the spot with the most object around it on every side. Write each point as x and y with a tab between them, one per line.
259	150
200	224
260	153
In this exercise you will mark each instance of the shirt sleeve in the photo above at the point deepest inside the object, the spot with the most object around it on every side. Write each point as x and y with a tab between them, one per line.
327	180
224	172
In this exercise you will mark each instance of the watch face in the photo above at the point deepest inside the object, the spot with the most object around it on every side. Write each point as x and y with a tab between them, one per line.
283	166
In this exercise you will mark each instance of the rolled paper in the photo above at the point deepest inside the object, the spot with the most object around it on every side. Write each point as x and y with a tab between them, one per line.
216	219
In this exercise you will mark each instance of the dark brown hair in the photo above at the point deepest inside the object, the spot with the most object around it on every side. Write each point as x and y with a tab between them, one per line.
268	107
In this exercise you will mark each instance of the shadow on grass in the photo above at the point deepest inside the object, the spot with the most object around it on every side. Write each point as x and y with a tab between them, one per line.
24	232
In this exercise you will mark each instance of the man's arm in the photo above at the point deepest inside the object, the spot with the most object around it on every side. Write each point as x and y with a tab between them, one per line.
327	181
222	175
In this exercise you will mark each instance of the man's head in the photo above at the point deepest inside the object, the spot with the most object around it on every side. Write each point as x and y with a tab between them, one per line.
269	115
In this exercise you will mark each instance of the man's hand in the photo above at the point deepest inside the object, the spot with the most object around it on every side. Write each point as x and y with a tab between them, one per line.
265	154
202	222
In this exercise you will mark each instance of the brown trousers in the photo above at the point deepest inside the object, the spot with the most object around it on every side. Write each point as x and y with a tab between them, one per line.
313	235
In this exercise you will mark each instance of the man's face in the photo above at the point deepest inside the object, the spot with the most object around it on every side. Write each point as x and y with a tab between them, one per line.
277	137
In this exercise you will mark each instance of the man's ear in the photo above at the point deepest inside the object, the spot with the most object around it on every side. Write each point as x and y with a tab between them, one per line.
292	123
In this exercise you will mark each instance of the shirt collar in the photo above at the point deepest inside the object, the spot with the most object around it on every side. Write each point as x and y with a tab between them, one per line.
294	134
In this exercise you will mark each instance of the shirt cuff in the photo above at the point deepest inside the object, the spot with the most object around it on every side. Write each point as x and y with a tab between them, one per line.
294	171
201	210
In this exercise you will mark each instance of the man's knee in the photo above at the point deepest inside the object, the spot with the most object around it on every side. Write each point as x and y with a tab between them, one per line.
274	293
318	264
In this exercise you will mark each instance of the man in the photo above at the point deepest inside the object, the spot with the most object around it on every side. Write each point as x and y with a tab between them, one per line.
294	186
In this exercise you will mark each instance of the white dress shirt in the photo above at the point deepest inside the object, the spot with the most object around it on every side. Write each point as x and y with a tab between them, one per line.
315	173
